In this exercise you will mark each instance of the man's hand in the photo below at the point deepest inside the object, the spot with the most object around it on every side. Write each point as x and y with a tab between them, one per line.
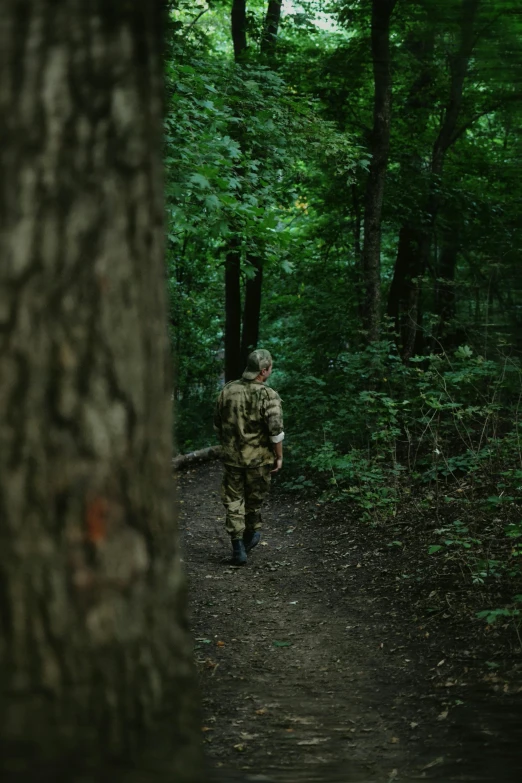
278	464
278	454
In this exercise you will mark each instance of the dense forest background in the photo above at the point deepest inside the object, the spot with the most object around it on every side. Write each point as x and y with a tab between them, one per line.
343	188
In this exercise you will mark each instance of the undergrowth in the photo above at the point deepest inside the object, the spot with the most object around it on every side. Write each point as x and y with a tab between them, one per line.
441	434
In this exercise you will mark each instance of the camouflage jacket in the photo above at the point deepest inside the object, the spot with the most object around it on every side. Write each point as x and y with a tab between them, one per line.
248	419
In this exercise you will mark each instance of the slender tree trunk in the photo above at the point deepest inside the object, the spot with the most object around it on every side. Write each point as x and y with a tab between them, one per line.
403	303
357	225
252	311
238	22
232	311
403	290
233	255
447	135
445	299
271	26
379	146
93	631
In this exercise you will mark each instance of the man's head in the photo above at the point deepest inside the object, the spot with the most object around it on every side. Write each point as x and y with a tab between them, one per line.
259	364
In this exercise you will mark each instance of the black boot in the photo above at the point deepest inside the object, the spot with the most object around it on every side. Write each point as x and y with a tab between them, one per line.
239	556
251	538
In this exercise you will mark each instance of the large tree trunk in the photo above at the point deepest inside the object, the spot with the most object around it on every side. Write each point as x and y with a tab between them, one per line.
251	311
233	256
93	640
232	311
270	28
403	296
238	24
379	146
403	299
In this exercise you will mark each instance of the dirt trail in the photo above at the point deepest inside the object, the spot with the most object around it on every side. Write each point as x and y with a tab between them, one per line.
309	672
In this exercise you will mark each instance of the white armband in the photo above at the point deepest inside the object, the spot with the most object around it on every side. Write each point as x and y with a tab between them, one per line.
277	438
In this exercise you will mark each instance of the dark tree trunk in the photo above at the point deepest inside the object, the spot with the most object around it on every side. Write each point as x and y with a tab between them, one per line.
93	630
357	225
379	146
445	286
251	311
447	135
232	311
233	255
271	26
238	20
402	300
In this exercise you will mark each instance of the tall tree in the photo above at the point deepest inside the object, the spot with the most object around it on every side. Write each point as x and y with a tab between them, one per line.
238	20
241	334
270	28
233	254
254	282
94	644
379	148
416	242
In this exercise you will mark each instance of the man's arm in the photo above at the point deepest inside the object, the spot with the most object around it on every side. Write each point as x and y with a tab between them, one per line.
278	454
274	420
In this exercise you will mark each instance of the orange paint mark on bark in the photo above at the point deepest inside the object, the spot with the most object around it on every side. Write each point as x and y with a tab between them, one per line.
96	519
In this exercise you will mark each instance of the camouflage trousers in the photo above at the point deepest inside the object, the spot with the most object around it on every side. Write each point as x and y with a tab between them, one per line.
243	491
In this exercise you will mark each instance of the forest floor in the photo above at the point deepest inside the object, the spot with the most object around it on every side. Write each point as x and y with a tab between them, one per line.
335	656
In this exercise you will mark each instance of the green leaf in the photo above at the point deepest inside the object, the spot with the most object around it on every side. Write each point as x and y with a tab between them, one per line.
199	179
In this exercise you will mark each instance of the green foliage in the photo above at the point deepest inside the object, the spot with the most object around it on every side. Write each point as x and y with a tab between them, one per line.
240	143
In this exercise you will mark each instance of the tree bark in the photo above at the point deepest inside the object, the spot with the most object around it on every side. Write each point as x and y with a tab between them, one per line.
251	311
233	311
238	21
94	644
271	26
379	146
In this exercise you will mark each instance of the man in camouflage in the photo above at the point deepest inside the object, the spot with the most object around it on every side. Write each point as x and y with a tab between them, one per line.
249	422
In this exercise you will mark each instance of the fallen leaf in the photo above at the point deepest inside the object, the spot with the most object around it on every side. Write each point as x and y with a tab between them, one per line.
262	711
282	644
220	644
434	763
314	741
394	740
